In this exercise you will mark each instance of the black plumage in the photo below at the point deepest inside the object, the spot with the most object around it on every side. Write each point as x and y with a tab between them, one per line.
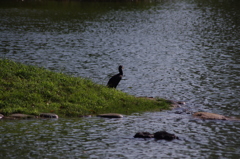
114	80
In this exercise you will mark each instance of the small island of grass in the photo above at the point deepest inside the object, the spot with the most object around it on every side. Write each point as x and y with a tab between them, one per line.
33	90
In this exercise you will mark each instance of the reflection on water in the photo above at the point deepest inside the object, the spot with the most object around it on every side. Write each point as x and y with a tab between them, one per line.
182	50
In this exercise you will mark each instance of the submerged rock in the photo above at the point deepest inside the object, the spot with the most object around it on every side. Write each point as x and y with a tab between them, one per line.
212	116
175	104
19	116
158	135
110	115
85	116
180	110
48	115
209	116
164	135
143	135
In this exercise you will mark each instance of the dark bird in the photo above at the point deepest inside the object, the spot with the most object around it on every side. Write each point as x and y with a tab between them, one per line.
114	80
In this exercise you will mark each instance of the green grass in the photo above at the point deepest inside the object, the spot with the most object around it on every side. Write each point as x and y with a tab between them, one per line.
33	90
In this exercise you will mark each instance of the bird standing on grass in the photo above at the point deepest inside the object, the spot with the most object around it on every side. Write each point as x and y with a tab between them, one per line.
114	80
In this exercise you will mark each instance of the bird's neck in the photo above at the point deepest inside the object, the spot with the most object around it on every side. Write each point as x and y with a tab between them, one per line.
120	72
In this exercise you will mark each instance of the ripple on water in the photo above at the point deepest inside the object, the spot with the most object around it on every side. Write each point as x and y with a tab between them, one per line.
177	50
111	138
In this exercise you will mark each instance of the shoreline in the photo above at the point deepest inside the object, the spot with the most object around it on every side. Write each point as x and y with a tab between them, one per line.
32	90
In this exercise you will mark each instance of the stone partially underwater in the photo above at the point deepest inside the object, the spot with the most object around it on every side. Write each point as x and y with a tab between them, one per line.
110	115
212	116
160	135
143	135
26	116
48	115
164	135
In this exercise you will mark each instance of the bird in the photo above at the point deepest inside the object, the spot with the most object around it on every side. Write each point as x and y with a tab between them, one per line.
114	80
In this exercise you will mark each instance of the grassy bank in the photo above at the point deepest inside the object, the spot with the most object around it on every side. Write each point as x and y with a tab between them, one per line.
33	90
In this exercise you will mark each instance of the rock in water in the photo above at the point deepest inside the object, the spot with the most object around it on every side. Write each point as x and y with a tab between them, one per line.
209	116
143	135
158	135
48	115
164	135
110	115
20	116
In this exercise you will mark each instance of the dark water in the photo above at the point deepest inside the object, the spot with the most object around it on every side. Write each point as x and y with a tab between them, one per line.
185	50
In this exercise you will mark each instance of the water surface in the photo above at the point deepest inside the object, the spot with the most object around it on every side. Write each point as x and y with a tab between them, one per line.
113	138
185	50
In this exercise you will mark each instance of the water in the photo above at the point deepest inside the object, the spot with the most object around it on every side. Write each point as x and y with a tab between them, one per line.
113	138
184	50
